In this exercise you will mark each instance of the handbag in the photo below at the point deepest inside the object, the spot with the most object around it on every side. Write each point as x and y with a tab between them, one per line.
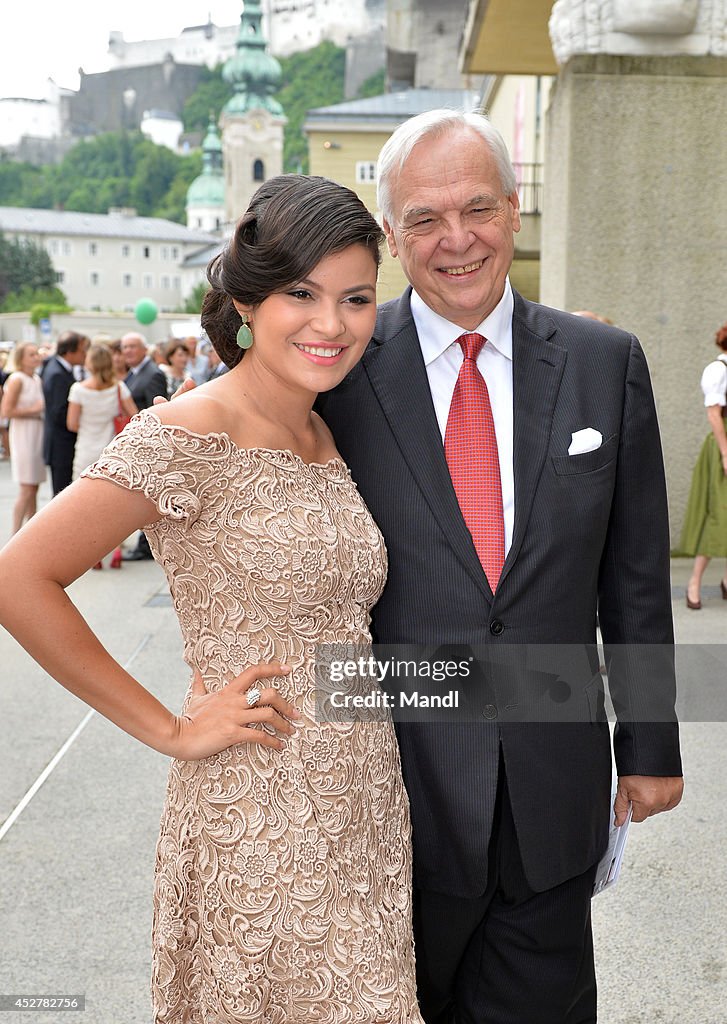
120	419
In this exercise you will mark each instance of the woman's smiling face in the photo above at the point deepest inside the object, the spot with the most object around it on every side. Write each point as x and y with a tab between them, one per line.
310	335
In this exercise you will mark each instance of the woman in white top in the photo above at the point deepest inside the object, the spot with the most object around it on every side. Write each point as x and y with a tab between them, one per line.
92	405
704	533
23	405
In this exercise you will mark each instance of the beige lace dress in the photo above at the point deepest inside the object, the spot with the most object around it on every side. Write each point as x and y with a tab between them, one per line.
283	878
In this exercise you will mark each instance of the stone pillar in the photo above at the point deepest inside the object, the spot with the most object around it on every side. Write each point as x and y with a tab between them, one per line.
635	221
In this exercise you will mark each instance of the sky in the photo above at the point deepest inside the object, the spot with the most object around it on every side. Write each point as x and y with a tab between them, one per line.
46	38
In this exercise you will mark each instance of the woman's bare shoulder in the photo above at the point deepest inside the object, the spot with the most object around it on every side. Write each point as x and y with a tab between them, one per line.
201	410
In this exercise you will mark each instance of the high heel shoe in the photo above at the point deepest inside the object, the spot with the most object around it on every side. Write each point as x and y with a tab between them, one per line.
98	565
723	588
116	560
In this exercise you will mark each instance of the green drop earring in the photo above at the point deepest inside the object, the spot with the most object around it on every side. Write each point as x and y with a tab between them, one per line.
244	334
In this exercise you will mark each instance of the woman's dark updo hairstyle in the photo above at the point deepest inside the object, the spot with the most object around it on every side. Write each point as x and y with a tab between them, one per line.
720	338
292	223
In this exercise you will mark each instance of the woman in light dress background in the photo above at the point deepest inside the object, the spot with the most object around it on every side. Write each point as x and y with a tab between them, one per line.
23	405
704	533
283	868
92	405
177	358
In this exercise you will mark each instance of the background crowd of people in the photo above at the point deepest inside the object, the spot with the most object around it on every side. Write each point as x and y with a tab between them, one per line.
60	407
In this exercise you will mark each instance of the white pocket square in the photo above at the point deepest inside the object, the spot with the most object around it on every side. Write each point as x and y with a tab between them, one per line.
586	440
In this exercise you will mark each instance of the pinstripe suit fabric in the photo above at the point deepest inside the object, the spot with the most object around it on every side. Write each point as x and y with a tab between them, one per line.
590	535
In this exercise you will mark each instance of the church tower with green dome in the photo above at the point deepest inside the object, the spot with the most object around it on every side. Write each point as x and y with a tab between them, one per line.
252	120
206	194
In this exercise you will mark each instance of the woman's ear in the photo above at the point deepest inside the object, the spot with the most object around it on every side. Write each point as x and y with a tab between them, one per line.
242	309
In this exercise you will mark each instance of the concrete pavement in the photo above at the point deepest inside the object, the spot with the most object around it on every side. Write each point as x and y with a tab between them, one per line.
76	861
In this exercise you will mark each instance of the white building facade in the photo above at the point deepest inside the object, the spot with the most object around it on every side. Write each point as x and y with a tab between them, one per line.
39	118
107	262
288	25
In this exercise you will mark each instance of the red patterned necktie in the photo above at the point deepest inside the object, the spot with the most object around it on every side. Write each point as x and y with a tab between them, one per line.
470	447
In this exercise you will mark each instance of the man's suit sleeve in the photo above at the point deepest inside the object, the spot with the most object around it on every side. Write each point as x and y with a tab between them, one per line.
157	386
635	591
153	385
55	391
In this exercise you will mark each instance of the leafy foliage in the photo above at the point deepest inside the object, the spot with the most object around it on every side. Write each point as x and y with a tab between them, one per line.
195	299
20	181
27	277
374	85
24	265
208	99
311	78
113	169
127	169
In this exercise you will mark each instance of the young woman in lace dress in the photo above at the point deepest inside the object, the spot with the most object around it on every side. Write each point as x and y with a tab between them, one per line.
283	865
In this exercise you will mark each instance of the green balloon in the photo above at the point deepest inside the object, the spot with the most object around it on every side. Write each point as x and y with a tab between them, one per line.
146	311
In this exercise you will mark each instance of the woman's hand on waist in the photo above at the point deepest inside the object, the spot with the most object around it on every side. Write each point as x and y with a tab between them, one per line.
234	714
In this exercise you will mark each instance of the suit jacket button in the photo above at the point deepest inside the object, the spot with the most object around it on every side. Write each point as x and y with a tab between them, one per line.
497	628
489	711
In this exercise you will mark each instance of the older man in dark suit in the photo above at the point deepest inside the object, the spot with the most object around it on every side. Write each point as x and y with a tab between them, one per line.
146	382
59	373
510	454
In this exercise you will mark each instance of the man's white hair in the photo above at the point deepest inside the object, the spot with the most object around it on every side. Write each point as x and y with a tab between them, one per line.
136	336
437	123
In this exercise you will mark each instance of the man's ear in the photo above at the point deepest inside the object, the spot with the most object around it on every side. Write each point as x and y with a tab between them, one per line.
390	239
514	201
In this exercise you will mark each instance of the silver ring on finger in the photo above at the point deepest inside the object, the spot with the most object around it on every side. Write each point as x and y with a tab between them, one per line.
252	696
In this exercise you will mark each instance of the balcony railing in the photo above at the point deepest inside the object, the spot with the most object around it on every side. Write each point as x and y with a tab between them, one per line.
530	187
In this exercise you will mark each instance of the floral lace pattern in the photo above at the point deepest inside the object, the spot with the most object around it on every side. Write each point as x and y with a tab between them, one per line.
283	878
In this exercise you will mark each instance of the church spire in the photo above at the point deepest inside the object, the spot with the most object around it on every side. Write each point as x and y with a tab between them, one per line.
206	195
252	73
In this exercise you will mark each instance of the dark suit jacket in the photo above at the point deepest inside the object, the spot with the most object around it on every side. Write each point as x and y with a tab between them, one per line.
218	371
58	441
590	537
147	384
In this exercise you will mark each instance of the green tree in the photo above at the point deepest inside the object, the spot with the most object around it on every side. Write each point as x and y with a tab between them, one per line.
113	169
374	85
127	169
194	301
39	301
26	272
311	78
208	99
17	180
173	204
154	171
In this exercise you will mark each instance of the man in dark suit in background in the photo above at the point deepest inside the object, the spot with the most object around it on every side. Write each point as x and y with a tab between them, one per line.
215	366
146	382
511	456
59	373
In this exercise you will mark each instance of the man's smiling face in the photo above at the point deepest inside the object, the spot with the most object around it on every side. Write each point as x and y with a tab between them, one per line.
452	226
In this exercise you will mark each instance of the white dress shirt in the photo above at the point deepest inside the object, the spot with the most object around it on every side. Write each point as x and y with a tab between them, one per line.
75	368
714	382
443	359
135	370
